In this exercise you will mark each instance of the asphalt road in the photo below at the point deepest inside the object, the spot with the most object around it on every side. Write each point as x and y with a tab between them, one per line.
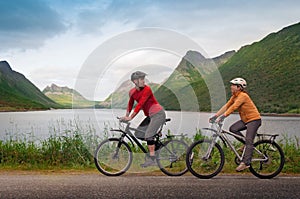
94	185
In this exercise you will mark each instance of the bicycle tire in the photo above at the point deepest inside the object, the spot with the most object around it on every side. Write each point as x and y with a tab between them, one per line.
200	166
171	158
110	163
266	169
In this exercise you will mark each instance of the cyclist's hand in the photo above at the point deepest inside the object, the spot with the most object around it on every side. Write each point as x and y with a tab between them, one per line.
213	119
125	119
221	119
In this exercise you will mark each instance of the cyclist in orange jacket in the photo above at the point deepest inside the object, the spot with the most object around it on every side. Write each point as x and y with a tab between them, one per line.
250	117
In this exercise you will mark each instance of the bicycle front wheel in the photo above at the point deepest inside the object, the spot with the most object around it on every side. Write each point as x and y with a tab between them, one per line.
205	160
112	157
267	159
171	158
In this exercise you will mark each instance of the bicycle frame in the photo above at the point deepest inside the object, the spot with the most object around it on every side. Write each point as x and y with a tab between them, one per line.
220	133
128	134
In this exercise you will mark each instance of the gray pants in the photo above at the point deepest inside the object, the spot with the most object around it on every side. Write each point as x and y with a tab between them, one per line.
151	125
252	128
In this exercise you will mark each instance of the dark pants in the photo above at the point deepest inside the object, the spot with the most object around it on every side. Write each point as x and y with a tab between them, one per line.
150	126
251	128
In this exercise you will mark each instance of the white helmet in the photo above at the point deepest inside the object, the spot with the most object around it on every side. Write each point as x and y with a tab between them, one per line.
239	81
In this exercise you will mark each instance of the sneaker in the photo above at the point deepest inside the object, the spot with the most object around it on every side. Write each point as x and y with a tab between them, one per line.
242	167
149	162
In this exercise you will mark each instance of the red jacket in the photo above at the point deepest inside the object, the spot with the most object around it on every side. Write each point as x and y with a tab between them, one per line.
145	101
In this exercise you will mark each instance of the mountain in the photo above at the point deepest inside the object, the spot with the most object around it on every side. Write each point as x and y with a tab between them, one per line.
67	97
270	66
19	94
180	91
119	98
272	70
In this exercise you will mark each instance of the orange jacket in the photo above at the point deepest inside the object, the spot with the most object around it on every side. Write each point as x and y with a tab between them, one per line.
242	102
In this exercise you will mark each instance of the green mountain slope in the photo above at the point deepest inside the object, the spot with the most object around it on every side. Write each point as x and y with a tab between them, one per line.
186	88
272	70
270	66
67	97
18	93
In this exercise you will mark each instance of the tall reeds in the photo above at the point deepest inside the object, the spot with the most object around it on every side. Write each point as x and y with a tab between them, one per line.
71	145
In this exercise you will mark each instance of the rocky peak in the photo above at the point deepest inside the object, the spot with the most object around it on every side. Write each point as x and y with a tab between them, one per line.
194	57
5	67
55	88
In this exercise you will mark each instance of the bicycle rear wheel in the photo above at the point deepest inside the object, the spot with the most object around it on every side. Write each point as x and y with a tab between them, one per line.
267	159
112	157
201	164
171	158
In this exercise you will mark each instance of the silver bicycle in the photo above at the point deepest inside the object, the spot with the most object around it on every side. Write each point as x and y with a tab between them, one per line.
205	158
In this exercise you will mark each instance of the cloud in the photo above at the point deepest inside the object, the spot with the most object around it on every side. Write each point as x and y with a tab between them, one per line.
27	24
55	37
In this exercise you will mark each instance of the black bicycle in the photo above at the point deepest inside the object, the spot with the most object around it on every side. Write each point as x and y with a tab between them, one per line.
113	156
205	158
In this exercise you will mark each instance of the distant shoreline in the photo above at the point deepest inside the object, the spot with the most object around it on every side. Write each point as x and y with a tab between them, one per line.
281	114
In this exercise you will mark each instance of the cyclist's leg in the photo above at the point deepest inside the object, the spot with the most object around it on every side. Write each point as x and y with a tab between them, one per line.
237	127
252	128
157	120
142	127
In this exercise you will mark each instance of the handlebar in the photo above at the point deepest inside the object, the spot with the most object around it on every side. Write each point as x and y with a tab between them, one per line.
220	123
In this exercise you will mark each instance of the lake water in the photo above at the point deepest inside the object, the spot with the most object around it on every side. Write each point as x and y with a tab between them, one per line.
39	125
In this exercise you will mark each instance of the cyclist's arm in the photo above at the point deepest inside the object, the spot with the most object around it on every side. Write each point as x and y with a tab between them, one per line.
130	103
225	107
129	108
237	103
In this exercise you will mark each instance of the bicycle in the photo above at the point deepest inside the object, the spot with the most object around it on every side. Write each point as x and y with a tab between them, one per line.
205	158
113	156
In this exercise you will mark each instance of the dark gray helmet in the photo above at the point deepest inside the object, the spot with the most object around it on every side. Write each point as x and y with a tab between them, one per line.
137	75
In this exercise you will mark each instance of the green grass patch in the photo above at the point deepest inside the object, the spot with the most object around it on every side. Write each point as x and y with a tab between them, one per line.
71	145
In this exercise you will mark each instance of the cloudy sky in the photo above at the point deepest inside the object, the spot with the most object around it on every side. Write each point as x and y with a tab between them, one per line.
51	41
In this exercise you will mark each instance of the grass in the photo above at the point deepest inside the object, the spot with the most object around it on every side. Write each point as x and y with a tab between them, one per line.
70	146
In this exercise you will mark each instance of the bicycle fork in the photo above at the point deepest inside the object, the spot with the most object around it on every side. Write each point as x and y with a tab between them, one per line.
208	151
116	154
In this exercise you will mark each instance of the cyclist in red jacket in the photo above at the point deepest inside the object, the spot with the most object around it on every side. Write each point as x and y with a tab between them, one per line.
154	112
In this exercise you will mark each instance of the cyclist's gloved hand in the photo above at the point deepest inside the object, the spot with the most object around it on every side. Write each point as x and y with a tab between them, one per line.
221	119
213	119
125	119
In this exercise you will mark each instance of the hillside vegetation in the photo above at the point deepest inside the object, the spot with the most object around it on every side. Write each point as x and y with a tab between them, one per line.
186	88
19	94
270	66
272	70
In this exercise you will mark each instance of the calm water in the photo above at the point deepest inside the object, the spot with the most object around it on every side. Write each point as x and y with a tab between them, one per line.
41	124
